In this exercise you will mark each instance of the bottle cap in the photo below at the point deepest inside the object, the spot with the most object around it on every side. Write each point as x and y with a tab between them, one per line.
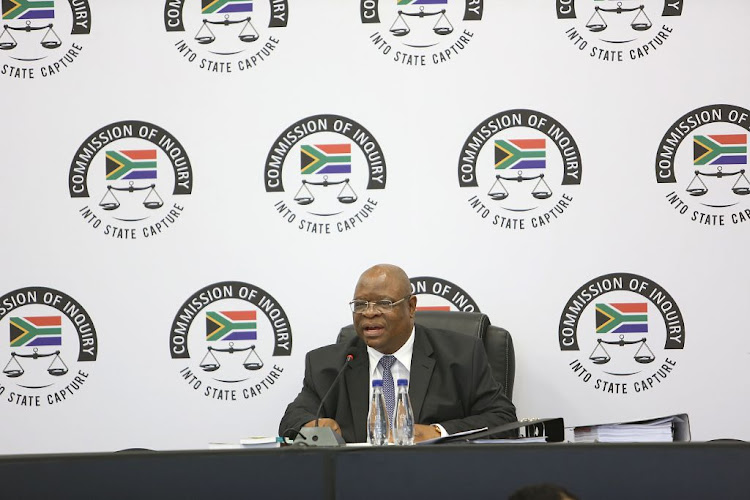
402	381
377	382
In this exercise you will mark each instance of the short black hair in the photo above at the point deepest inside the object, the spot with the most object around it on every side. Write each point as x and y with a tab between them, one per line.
544	491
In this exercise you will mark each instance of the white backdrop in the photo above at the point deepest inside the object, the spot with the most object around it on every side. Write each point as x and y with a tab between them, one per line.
140	392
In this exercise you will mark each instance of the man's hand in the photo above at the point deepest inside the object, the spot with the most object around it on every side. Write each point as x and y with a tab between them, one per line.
325	422
423	432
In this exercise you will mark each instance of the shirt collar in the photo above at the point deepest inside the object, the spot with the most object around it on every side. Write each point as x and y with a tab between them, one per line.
403	355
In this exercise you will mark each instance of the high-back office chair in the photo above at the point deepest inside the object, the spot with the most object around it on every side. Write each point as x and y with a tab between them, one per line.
497	341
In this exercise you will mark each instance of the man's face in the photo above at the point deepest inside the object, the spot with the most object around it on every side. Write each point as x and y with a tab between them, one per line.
384	331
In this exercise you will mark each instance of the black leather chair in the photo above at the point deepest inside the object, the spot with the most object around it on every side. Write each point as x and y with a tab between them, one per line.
497	341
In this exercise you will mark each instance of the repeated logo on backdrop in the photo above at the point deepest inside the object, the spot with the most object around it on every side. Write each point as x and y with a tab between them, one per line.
420	32
622	334
226	36
41	38
49	341
618	30
130	178
325	172
702	161
230	338
437	294
520	168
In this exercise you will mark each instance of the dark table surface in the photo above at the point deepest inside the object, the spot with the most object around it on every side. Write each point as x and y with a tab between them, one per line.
462	471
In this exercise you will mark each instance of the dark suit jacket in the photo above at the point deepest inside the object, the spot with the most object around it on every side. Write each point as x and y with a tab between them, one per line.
449	384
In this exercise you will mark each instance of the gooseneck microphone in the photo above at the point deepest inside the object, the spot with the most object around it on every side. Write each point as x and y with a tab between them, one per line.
349	358
324	436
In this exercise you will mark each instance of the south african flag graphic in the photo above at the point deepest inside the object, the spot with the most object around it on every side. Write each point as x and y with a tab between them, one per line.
433	308
326	159
129	164
517	154
28	9
34	331
231	325
226	6
720	149
622	317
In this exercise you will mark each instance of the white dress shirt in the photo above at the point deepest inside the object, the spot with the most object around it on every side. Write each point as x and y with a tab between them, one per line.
399	370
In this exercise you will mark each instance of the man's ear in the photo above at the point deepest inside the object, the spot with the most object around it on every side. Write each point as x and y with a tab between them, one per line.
412	305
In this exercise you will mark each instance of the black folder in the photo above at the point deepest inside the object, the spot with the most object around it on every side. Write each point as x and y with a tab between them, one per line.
551	429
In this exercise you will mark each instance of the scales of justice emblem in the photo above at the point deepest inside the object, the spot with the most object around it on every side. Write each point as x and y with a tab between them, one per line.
224	24
29	29
717	159
130	179
420	23
28	24
323	166
616	322
35	340
622	17
527	160
230	332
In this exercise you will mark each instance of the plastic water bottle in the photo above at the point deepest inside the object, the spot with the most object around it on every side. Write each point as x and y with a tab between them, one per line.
403	418
378	427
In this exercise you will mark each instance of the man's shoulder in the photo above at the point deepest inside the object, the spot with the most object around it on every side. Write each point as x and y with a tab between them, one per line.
336	352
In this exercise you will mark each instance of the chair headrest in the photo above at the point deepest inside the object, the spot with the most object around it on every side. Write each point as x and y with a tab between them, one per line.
470	323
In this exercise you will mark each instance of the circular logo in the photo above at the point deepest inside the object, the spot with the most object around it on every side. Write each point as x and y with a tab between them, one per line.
420	32
702	161
618	30
41	38
437	294
518	167
52	339
226	36
130	176
621	333
237	334
332	167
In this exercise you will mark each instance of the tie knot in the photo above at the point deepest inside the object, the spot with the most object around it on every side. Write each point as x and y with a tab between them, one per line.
387	361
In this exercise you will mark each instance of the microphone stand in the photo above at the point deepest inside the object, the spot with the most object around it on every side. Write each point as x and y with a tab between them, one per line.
324	436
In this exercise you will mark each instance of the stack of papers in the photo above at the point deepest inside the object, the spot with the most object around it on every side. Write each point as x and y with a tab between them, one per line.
250	442
656	430
261	442
540	439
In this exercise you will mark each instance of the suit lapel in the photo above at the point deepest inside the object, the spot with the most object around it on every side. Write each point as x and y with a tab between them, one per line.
357	386
422	365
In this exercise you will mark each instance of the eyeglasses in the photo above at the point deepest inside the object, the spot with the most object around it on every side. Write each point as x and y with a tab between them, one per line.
360	306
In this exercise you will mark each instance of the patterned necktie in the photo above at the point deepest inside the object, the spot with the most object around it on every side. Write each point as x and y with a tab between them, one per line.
386	362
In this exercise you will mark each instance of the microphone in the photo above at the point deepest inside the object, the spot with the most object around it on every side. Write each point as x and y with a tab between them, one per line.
325	436
347	360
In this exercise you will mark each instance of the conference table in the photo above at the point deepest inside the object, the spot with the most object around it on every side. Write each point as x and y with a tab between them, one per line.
461	471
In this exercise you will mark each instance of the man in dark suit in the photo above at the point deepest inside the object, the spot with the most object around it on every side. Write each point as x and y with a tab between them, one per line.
450	384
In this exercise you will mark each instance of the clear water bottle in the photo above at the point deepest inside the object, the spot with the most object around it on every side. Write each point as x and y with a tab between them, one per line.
403	418
378	427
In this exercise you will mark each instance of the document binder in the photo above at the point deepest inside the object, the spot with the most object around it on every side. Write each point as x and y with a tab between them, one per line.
673	428
551	429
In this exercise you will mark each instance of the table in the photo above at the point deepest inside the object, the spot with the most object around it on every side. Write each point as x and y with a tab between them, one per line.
621	471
